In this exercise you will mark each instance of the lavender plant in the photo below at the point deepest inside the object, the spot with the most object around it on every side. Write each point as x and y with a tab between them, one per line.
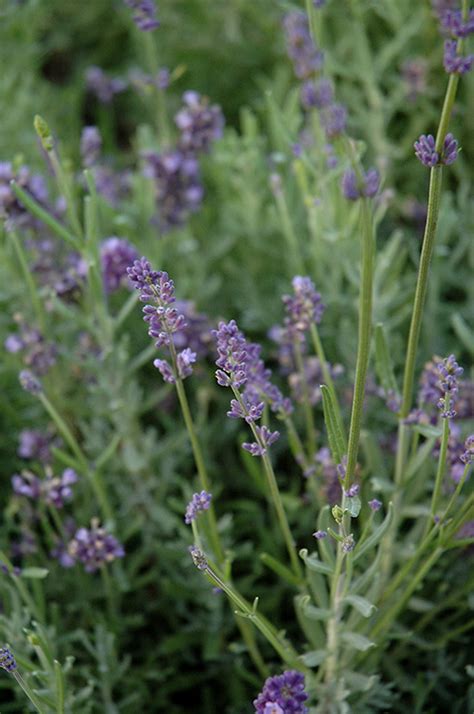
295	538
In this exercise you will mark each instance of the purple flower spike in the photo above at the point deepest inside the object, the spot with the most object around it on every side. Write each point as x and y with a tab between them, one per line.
144	14
306	58
285	691
450	150
452	22
353	491
449	371
368	187
94	547
334	119
375	504
317	94
199	559
454	63
7	660
104	87
200	502
319	535
304	307
425	150
199	122
467	457
232	355
29	382
265	439
116	254
91	144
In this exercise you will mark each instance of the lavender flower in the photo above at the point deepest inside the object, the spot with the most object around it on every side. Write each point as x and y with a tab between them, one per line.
453	62
144	14
112	185
11	209
7	660
141	81
265	438
449	371
36	445
38	355
232	355
116	254
303	308
467	457
334	119
199	502
452	22
348	544
199	123
178	188
308	384
414	72
248	411
94	547
105	88
319	535
353	189
27	485
199	559
375	505
29	382
317	94
307	59
53	490
91	144
285	691
426	152
353	491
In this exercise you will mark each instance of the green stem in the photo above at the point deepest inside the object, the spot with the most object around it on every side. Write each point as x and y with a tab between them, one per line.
318	348
29	692
28	278
199	461
274	493
295	259
441	468
308	409
65	187
363	347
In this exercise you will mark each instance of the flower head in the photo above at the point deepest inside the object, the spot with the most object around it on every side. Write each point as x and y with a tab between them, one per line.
285	691
199	502
307	59
305	307
232	355
116	254
317	94
199	122
29	382
7	660
449	371
35	444
426	152
144	14
104	87
199	559
354	188
265	438
375	505
334	119
94	547
91	144
467	457
455	63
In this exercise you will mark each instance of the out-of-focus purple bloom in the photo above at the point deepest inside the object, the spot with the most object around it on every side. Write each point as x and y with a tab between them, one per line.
178	187
414	73
91	145
353	491
27	485
7	660
36	445
327	469
94	547
29	382
306	58
334	120
116	254
317	94
353	189
199	123
11	209
38	355
375	505
197	333
467	457
104	87
331	160
185	359
305	307
453	62
199	559
286	691
265	439
112	186
318	4
56	490
142	81
452	22
200	502
319	535
144	14
308	384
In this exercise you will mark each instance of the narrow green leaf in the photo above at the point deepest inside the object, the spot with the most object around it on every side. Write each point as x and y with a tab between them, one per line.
357	641
383	362
34	573
314	658
59	677
279	569
418	459
313	563
335	437
317	613
361	604
36	210
463	331
374	538
359	682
